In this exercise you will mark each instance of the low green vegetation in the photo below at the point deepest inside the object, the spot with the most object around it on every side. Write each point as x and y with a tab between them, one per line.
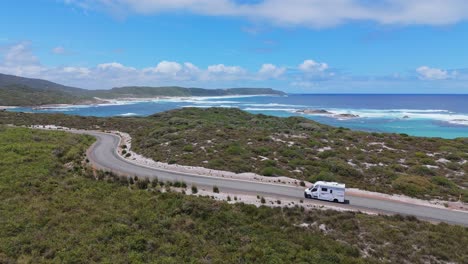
19	95
55	209
233	140
142	91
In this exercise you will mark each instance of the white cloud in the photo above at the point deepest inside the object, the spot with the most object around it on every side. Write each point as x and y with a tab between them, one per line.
59	50
221	68
19	60
311	66
114	66
80	71
428	73
20	54
312	13
303	84
271	71
168	67
191	67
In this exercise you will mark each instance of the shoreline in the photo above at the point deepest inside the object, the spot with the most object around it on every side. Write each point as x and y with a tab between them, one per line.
5	107
124	100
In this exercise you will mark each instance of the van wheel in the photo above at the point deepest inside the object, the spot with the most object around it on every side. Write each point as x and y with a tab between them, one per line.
335	200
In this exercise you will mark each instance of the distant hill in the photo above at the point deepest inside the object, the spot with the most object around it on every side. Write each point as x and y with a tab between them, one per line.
139	91
20	91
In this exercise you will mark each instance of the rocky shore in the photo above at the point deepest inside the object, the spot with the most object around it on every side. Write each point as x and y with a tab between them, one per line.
327	113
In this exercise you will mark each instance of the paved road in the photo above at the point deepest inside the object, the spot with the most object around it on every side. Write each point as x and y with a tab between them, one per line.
103	155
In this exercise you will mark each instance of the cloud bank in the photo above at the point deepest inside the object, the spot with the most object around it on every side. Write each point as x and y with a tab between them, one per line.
310	13
308	75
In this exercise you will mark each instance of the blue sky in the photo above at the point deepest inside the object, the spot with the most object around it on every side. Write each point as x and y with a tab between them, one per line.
333	46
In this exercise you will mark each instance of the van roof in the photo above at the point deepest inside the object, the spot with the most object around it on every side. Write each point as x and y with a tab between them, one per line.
330	184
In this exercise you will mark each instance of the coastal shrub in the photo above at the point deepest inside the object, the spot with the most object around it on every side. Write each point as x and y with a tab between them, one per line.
234	150
154	183
442	181
339	167
465	167
397	168
385	174
143	184
413	185
216	163
123	180
313	143
324	175
270	163
422	170
326	154
454	157
188	148
215	189
271	171
263	151
419	154
453	166
428	161
194	189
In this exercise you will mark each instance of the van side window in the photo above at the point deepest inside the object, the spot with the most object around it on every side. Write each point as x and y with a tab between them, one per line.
314	189
331	191
324	189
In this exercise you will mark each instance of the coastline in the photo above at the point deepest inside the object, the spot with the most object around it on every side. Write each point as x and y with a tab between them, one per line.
421	121
128	100
4	107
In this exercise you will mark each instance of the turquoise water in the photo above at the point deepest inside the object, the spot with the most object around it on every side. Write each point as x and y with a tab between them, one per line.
420	115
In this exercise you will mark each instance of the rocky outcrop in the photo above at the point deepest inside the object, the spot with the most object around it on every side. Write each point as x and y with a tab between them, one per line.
314	111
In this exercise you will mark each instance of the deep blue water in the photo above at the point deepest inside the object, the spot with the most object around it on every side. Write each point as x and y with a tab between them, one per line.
421	115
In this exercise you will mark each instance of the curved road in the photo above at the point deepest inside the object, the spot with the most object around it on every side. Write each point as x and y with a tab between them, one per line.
103	155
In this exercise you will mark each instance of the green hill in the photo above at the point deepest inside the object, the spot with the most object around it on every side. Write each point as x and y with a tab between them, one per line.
20	91
143	91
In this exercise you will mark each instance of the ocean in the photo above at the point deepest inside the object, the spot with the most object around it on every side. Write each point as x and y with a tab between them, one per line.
443	116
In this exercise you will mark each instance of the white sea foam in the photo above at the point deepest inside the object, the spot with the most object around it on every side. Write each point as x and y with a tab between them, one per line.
208	106
459	122
293	110
128	114
276	105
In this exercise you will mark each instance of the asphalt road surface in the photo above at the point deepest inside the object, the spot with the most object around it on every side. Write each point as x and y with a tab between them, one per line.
103	156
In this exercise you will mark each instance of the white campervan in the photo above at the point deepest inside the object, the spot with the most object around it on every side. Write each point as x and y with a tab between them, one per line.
328	191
